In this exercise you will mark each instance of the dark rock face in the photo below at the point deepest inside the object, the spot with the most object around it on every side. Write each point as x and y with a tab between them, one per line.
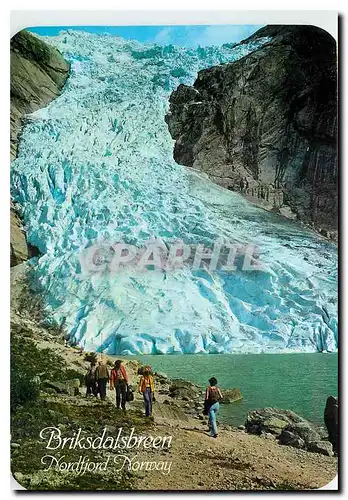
266	125
331	420
38	73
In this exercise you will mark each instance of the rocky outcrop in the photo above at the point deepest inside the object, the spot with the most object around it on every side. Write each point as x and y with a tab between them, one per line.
266	125
231	395
270	420
289	428
180	388
38	74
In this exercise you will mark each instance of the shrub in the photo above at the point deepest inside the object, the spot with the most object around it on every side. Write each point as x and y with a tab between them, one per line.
24	385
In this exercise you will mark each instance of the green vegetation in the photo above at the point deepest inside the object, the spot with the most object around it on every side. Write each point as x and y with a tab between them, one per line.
31	366
68	414
33	408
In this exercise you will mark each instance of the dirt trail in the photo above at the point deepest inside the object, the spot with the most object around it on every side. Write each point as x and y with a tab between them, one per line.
234	460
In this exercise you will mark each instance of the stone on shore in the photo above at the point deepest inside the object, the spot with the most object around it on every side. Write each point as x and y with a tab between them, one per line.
272	420
290	439
323	447
304	430
289	428
231	395
180	388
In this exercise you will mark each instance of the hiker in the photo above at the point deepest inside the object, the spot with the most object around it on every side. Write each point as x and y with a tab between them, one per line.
211	404
119	380
147	388
90	380
102	377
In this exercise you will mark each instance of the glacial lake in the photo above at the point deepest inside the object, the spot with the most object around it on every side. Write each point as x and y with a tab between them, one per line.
299	382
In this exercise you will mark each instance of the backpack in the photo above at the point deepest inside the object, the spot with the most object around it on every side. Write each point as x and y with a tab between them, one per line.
214	395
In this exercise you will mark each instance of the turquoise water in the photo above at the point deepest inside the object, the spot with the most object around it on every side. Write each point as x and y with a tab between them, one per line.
298	382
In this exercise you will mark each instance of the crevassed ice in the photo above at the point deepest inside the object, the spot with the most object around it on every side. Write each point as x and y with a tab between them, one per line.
96	164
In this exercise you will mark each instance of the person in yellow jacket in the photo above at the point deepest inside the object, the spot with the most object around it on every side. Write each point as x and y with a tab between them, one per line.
147	388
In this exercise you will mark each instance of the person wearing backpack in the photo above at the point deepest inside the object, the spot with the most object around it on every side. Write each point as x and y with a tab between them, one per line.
90	379
102	378
211	404
119	380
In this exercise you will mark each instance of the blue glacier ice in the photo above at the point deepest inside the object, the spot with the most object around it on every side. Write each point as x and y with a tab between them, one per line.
96	165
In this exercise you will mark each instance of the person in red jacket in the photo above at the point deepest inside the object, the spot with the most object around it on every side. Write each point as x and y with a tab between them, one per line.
119	380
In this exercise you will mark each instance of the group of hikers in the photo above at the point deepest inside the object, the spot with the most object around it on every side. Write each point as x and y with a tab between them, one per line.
98	377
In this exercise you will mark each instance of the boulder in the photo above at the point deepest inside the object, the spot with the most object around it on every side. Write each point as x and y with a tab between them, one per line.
272	420
331	420
289	428
180	388
305	431
231	395
322	447
291	439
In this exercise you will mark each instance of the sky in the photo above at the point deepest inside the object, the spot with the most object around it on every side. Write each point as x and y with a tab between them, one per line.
187	36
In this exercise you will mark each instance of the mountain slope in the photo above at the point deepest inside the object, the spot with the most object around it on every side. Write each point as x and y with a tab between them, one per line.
266	125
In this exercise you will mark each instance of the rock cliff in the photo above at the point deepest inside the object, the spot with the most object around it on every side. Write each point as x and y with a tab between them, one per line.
38	74
266	125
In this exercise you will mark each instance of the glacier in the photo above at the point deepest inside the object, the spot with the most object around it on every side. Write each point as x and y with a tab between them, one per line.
96	165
